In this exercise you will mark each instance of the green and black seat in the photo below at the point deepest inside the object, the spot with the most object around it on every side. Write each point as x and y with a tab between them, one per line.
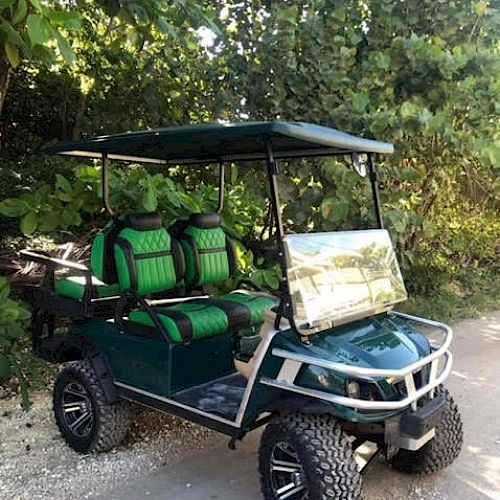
148	261
102	263
211	259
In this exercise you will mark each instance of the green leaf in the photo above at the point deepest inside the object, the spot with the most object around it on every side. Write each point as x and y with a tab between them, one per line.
271	279
166	28
5	368
149	200
13	207
37	4
69	20
6	3
20	12
29	223
65	49
14	331
334	209
12	35
360	102
43	54
4	289
38	29
63	183
12	54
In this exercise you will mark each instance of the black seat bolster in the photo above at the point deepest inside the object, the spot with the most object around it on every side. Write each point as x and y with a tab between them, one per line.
238	315
196	257
179	261
205	221
231	256
109	265
144	221
181	320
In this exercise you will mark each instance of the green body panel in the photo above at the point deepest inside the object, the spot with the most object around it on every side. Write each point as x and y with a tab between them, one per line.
74	287
214	263
154	365
383	341
154	273
206	321
164	368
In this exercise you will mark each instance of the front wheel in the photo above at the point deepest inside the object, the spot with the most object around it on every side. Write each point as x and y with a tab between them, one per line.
441	450
86	420
307	457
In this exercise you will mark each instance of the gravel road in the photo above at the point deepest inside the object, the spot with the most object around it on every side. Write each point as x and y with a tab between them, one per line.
169	459
35	463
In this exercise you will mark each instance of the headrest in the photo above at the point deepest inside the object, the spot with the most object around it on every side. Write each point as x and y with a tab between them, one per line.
205	221
144	222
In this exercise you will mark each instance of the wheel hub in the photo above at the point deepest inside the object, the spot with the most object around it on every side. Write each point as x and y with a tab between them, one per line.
287	474
77	409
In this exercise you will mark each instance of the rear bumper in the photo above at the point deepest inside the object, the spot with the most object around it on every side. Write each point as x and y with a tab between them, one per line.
438	362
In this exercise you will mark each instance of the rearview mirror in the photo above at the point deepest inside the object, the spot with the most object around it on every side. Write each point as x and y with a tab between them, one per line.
359	164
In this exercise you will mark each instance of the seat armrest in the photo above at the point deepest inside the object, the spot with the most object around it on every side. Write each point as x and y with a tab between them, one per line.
53	261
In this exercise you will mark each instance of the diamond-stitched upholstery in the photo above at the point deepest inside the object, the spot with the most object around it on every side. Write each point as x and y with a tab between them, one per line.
144	261
212	264
203	320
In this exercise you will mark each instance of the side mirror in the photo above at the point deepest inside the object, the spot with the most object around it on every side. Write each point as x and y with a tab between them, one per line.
359	164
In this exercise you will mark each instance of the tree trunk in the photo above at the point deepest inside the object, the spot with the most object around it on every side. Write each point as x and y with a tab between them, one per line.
4	80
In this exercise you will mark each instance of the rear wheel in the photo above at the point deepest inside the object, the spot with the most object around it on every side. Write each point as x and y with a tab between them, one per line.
439	452
86	420
307	457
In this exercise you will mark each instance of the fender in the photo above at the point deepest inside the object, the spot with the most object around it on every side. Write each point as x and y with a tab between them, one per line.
65	348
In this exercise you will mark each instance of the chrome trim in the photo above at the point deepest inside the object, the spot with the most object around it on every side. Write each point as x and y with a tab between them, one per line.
406	373
177	300
176	403
258	357
362	404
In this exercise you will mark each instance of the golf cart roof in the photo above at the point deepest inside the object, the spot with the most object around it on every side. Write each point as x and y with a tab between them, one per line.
221	142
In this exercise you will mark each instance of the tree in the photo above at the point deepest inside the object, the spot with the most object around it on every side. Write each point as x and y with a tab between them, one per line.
33	30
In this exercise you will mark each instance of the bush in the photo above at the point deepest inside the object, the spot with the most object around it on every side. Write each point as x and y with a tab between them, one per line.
13	318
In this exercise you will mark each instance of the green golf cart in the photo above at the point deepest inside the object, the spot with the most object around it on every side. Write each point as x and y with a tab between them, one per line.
325	363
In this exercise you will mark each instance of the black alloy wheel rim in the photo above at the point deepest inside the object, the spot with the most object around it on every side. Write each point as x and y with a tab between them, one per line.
77	409
288	478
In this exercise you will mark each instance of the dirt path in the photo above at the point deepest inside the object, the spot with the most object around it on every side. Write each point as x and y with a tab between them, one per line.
166	459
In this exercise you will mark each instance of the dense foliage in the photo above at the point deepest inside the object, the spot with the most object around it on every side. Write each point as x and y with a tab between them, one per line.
423	75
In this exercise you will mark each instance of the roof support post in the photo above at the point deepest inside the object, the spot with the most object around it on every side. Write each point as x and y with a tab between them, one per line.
221	186
105	183
372	170
285	306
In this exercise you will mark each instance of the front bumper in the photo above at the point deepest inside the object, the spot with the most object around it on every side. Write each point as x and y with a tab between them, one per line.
439	363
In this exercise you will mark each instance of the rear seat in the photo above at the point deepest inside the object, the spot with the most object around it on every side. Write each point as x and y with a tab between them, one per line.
102	263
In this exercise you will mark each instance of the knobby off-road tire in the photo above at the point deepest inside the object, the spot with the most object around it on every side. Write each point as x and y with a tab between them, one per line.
442	450
326	464
102	425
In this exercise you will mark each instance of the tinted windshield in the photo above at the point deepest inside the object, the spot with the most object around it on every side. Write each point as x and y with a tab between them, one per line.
337	275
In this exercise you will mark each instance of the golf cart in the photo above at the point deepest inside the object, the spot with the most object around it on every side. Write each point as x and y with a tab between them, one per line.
325	363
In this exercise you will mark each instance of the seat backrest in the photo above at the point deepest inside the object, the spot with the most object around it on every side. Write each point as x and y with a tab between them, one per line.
102	255
209	253
148	260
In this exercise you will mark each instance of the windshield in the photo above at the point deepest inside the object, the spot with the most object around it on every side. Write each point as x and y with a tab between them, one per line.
343	275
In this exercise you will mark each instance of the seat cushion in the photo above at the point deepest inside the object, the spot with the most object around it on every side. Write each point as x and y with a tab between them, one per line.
256	304
74	287
204	318
188	321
